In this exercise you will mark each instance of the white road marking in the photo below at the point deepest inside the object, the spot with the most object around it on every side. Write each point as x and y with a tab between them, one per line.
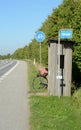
7	73
5	65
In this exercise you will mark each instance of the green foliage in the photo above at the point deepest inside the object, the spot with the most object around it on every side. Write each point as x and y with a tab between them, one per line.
77	96
67	15
8	56
77	55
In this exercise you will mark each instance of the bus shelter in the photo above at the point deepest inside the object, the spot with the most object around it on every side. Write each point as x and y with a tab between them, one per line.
65	68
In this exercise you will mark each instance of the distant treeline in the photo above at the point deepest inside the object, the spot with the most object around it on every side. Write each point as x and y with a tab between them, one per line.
8	56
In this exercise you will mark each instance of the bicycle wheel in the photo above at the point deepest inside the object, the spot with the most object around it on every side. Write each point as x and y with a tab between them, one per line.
39	83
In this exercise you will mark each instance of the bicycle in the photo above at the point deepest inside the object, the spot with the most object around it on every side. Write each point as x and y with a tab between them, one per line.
40	81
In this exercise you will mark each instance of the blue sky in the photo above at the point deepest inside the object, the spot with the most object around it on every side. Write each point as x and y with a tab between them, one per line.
20	19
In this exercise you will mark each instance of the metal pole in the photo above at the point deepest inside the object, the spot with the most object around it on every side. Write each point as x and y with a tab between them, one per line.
62	73
40	55
58	64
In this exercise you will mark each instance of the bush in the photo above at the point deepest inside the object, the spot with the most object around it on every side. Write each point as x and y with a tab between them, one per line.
77	96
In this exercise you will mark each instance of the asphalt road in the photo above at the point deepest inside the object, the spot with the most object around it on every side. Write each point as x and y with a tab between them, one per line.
6	65
14	102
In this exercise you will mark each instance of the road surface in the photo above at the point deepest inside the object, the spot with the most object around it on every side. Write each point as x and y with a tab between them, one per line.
14	107
6	65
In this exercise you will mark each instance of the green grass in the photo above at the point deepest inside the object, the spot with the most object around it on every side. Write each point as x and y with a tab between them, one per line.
53	113
32	71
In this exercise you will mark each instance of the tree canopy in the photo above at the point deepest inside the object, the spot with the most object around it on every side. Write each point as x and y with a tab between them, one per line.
67	15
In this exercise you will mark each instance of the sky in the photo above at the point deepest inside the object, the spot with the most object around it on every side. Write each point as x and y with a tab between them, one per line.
20	19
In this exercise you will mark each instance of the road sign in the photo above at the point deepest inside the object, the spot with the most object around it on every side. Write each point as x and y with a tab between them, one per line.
66	33
40	36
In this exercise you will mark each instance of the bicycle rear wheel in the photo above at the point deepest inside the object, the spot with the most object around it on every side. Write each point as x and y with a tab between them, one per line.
39	83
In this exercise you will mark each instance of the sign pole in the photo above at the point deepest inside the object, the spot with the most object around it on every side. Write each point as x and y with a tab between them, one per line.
62	34
40	36
59	64
40	55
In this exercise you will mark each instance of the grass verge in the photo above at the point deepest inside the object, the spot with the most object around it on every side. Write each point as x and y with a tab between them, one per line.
52	113
32	71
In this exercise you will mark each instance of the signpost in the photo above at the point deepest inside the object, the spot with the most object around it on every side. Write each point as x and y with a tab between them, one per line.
66	33
40	36
63	34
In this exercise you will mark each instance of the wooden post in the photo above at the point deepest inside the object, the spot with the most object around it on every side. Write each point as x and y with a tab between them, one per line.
52	67
49	68
67	68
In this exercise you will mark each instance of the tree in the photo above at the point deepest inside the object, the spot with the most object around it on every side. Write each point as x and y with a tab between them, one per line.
67	15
